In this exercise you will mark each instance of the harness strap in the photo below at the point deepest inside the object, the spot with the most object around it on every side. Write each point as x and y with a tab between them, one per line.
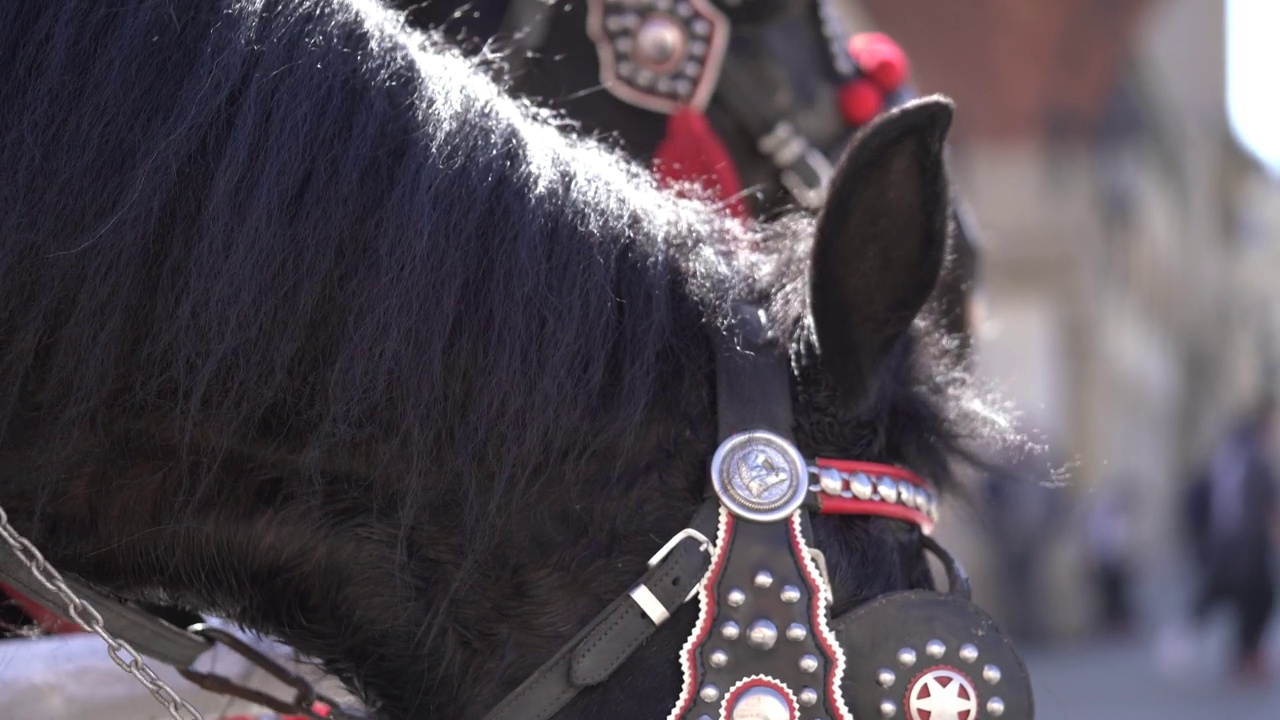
147	633
753	388
617	632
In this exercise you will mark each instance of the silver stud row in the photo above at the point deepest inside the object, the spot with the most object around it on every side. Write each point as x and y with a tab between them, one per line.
879	488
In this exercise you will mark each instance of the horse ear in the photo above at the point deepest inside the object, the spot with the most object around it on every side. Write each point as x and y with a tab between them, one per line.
881	240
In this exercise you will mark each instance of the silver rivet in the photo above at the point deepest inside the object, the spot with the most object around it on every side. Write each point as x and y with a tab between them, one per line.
790	594
736	597
807	697
906	657
808	663
991	674
935	649
762	634
887	488
796	632
719	658
830	480
888	709
968	652
730	630
861	486
763	579
908	495
995	706
709	693
885	677
661	42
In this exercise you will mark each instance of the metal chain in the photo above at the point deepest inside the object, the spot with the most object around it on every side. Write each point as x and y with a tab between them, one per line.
88	618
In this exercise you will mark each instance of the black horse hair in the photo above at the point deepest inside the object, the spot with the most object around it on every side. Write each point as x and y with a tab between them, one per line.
285	284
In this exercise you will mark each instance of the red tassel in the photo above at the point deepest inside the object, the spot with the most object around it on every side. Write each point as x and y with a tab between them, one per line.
692	152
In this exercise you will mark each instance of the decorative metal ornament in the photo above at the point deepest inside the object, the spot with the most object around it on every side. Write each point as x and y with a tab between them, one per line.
786	657
942	693
759	476
935	675
660	55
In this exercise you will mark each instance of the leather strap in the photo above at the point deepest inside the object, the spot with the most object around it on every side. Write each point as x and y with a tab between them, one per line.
145	632
753	388
615	634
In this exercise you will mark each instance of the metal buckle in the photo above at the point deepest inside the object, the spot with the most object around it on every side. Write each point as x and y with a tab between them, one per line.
810	196
306	701
703	544
795	156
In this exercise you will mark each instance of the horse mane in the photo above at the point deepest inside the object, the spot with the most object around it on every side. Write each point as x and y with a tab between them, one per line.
294	235
209	217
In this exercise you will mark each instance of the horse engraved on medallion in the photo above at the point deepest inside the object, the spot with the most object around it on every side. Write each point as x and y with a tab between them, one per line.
759	476
764	477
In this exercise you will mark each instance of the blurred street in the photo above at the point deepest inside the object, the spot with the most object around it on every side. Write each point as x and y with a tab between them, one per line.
1150	676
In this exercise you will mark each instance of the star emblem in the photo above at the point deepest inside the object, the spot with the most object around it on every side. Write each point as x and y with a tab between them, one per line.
942	694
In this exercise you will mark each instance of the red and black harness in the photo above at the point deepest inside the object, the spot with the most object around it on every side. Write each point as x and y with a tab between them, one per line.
764	645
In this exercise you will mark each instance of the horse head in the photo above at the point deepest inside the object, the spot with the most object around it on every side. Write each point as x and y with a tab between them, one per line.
306	324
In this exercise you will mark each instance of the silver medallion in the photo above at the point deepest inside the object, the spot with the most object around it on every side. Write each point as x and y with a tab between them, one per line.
759	476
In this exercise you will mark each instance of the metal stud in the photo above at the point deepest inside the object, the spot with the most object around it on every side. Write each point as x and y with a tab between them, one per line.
807	697
906	657
888	708
763	579
861	486
888	489
796	632
736	597
762	634
808	663
991	674
718	659
995	706
830	480
709	693
909	495
968	652
790	594
885	677
730	630
935	649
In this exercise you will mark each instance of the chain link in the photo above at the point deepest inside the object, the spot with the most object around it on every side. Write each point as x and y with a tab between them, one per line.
88	618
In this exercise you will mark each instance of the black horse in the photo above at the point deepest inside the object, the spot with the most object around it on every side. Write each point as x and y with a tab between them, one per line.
306	324
786	67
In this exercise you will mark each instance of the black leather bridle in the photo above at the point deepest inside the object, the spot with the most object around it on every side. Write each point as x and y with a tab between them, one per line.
764	646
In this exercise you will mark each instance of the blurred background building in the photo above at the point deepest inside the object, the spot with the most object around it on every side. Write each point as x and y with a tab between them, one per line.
1130	281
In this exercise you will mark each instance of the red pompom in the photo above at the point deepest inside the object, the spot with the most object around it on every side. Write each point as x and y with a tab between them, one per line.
692	152
880	59
860	101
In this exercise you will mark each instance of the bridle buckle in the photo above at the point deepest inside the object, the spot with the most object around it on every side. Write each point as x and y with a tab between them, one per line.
703	544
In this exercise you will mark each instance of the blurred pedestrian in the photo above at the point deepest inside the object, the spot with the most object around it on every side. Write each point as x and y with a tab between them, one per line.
1236	507
1110	531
